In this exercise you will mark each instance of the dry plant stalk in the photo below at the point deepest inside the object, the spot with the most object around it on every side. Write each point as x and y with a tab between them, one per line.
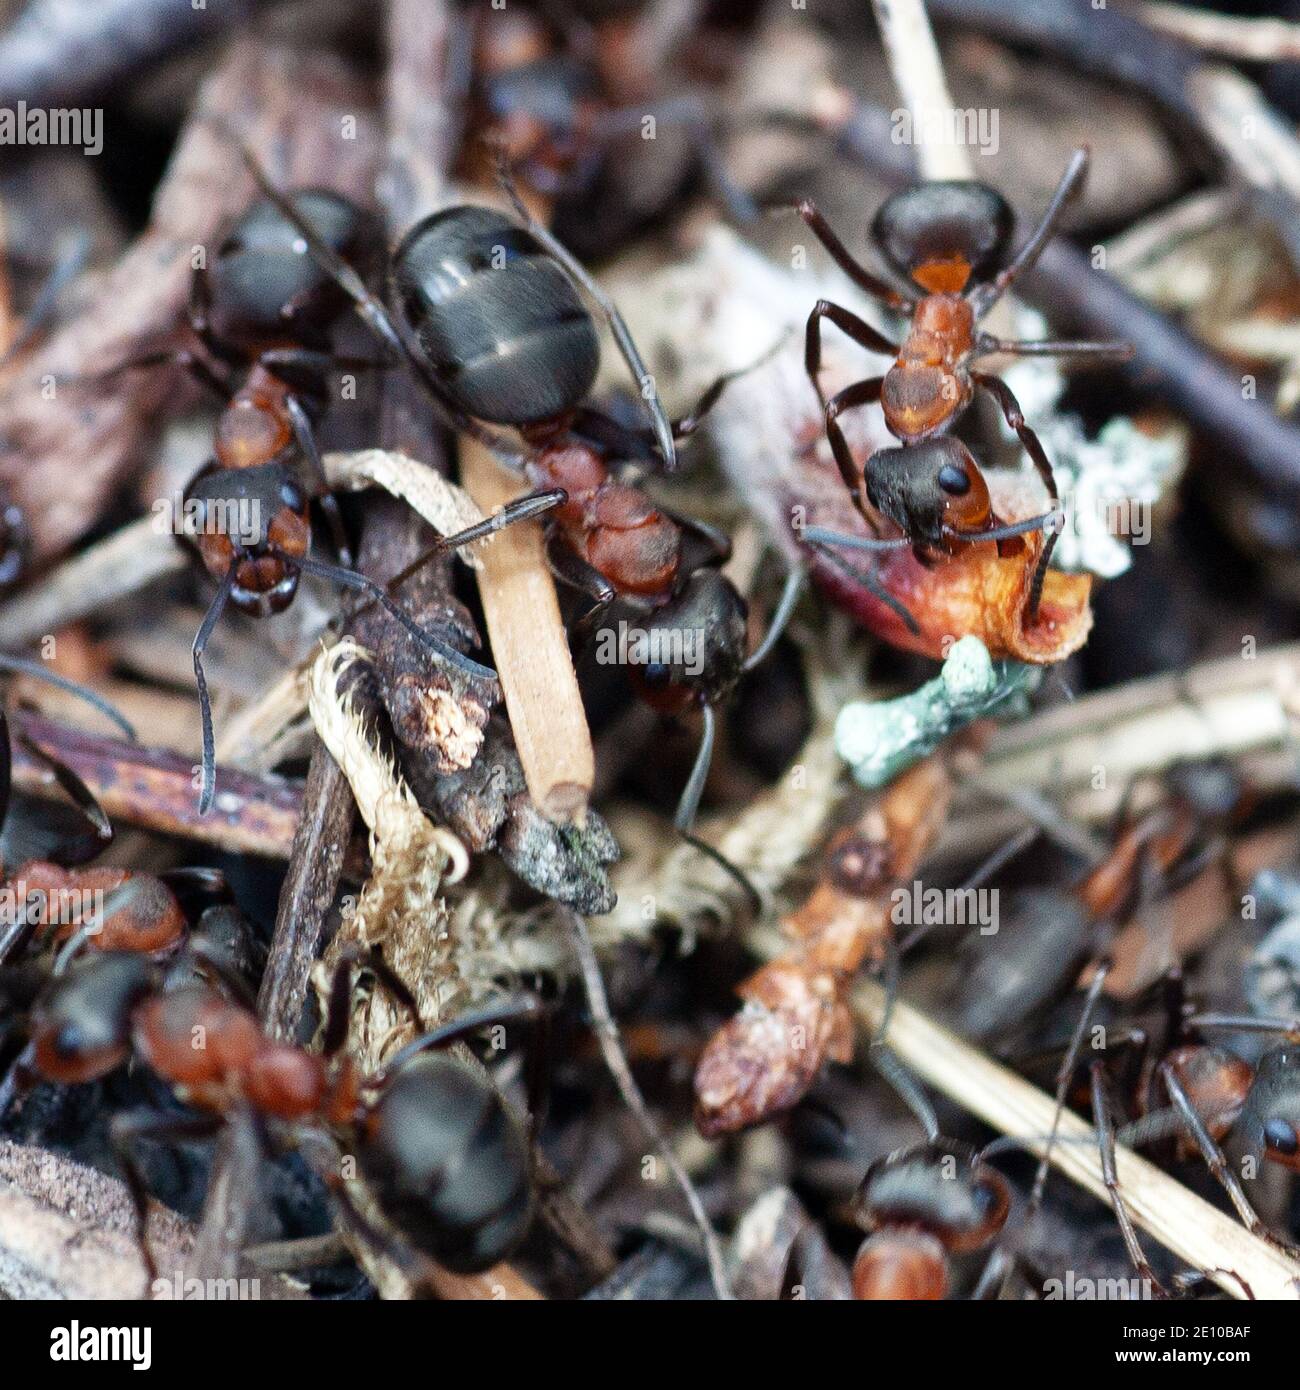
531	650
1205	1237
762	1062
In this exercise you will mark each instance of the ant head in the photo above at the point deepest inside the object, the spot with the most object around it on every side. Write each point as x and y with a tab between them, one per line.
434	1119
265	285
944	234
496	317
1272	1113
696	645
248	512
81	1026
941	1188
1217	1083
927	487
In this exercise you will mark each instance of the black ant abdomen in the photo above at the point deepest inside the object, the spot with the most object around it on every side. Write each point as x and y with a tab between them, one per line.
448	1165
491	311
939	1189
266	288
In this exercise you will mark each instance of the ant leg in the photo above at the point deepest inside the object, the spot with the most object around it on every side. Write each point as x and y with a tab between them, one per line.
571	569
859	330
686	425
1214	1158
339	1007
124	1133
208	784
986	345
351	579
519	1008
306	437
41	671
19	1079
645	382
1103	1119
824	535
870	581
523	508
81	796
202	371
863	278
1015	418
860	393
1069	188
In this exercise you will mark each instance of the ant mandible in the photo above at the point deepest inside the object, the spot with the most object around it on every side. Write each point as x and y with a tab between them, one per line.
491	320
949	241
448	1165
262	318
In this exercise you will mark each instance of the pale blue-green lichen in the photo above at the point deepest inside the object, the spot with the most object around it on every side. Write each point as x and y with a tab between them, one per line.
879	739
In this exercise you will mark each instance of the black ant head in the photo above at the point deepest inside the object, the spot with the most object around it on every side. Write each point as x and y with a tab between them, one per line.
447	1164
1271	1117
81	1026
941	1188
265	284
695	645
929	490
944	234
241	504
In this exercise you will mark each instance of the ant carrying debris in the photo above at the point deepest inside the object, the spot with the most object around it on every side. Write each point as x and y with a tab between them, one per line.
490	317
446	1162
949	242
262	317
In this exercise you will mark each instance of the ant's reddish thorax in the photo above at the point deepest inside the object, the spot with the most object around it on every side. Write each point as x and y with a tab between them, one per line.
255	427
928	384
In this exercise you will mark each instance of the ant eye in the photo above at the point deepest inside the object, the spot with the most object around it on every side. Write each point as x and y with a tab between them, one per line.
1280	1138
291	495
656	674
954	480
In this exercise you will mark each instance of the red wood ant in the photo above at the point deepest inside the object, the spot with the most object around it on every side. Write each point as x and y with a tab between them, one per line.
492	322
949	242
446	1162
262	319
923	1204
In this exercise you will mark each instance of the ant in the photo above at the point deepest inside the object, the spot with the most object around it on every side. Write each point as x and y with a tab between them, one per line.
446	1162
923	1204
555	112
949	242
1044	943
491	320
262	317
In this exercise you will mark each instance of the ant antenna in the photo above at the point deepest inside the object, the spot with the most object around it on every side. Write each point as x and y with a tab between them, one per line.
23	666
208	785
645	382
781	616
689	805
864	577
353	579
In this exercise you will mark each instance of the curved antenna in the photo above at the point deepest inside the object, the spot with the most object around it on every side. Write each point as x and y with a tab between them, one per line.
23	666
209	783
823	535
578	273
352	579
689	805
780	618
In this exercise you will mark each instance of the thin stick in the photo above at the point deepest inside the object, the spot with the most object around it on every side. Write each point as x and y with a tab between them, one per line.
616	1060
530	649
1205	1237
1252	40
